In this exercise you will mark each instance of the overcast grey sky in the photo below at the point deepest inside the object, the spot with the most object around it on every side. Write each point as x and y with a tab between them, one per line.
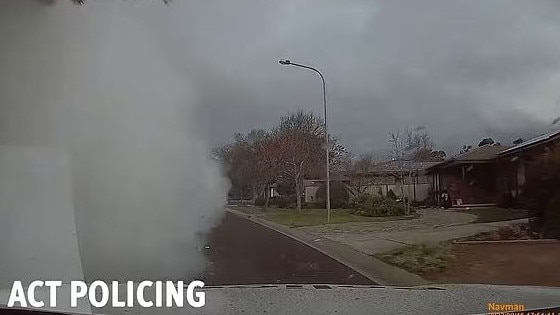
463	69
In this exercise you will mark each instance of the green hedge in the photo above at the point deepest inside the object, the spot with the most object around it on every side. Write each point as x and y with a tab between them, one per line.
376	206
339	195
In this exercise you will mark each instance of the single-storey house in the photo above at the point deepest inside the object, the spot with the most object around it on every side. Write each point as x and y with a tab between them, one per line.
312	186
515	162
408	178
468	178
404	178
489	175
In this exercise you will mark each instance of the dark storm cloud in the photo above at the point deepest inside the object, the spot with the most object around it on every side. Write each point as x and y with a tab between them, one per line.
464	69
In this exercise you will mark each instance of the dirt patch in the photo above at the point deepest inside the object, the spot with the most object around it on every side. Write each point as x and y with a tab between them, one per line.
511	264
518	231
419	258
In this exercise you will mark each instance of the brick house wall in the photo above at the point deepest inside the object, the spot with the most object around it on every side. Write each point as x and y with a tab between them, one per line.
510	177
513	169
470	183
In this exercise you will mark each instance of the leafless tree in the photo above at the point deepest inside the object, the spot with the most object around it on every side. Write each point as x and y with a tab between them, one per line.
298	140
245	162
338	155
358	172
398	145
293	150
419	144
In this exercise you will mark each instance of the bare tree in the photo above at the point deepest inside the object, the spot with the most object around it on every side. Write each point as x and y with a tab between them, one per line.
268	163
258	166
244	161
419	144
298	140
358	171
398	145
291	151
338	155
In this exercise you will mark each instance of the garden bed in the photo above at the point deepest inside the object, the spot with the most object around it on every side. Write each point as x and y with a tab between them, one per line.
514	264
518	231
419	258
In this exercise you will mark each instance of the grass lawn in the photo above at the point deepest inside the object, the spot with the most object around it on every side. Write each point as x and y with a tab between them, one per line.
496	214
248	209
419	258
308	217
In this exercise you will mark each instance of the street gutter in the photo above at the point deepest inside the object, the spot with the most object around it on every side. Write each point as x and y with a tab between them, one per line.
510	242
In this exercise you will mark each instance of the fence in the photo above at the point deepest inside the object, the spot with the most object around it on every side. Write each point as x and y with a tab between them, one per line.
414	192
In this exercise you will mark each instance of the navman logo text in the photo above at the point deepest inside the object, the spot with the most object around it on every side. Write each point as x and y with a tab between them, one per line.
505	307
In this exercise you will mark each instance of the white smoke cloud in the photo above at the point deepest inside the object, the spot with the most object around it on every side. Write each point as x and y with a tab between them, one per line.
93	82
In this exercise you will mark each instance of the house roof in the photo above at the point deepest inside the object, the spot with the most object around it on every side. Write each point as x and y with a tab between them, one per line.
483	153
544	138
490	152
476	155
334	176
396	166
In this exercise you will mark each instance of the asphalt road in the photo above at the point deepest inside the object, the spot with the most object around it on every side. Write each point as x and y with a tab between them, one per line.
243	252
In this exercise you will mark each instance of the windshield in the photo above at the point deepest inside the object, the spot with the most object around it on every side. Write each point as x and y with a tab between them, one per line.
378	143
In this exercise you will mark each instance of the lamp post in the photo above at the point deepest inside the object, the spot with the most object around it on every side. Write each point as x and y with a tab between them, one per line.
287	62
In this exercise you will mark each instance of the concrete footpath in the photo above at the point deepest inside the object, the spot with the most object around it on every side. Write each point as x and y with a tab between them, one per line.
370	267
380	242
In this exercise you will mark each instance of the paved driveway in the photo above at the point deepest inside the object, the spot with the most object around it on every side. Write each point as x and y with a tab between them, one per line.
433	226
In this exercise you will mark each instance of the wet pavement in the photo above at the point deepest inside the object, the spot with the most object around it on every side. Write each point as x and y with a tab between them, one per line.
243	252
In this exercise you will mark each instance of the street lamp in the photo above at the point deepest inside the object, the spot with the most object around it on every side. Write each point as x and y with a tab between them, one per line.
287	62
